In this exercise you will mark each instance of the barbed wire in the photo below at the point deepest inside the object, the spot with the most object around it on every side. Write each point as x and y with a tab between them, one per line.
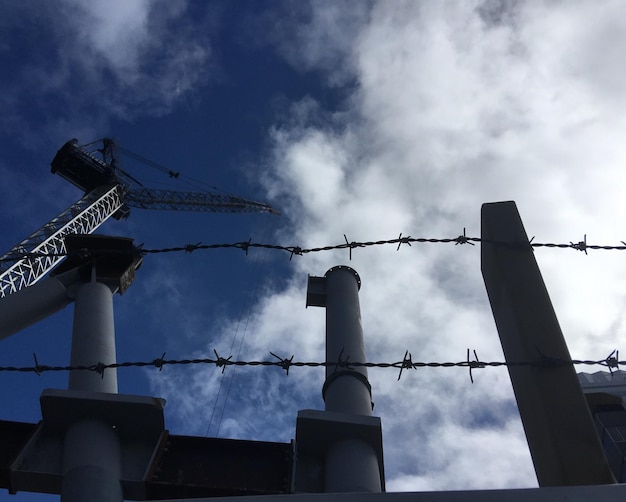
245	246
611	362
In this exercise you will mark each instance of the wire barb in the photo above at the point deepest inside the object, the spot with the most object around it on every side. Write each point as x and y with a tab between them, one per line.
475	364
295	250
463	239
352	245
580	246
342	363
190	248
284	363
612	361
407	362
403	240
221	362
38	369
99	368
246	245
159	362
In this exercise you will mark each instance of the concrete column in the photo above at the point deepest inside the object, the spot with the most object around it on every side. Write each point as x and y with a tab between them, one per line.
93	338
91	455
91	463
561	435
352	466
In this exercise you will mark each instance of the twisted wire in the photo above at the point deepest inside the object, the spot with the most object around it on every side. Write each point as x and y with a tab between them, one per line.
245	246
611	362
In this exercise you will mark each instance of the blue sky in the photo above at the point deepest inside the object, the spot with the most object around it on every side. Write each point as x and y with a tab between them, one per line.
359	118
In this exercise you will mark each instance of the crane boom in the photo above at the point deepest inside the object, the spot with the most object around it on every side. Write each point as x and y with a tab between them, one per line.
19	269
109	191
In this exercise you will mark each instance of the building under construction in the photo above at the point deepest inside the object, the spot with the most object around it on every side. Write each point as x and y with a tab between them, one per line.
93	443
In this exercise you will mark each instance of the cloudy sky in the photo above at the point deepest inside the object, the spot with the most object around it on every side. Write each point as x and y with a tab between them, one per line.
363	118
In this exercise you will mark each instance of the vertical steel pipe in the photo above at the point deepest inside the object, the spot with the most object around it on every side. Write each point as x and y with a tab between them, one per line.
347	388
351	463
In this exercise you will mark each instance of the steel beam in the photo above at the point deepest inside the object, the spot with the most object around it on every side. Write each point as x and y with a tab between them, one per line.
155	464
605	493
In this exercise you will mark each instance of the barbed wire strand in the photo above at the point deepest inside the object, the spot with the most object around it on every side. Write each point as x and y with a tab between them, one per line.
245	246
611	362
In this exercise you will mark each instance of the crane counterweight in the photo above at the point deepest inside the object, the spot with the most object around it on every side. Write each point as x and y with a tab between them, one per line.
81	168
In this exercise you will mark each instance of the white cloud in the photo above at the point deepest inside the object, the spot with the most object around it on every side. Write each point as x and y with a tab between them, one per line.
456	104
83	63
145	52
115	31
314	166
319	36
452	468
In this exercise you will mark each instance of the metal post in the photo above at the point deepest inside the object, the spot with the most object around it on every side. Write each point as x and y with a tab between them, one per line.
346	389
91	455
351	463
559	429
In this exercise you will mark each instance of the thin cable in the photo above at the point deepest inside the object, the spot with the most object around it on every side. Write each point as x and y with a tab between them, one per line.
219	390
257	282
188	180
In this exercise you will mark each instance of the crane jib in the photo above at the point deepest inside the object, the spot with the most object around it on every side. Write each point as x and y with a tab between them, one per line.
193	201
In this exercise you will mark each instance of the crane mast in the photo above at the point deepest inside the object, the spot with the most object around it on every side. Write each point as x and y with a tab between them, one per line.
109	192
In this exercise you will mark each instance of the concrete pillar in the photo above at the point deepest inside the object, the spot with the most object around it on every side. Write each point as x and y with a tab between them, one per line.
561	435
93	338
91	463
91	454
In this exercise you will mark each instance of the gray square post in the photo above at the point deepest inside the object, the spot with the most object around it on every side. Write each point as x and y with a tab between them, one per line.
559	429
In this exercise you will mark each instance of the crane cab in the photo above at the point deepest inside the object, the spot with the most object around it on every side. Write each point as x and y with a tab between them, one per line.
81	168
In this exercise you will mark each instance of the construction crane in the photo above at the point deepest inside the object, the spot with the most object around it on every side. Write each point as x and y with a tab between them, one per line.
108	191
